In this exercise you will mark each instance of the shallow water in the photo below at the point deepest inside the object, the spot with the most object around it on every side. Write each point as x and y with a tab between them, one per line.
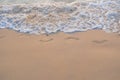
31	1
40	1
51	17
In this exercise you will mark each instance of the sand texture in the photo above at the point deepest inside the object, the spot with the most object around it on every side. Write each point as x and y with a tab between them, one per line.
91	55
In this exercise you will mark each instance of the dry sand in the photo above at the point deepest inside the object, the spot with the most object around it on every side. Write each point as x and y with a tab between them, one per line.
92	55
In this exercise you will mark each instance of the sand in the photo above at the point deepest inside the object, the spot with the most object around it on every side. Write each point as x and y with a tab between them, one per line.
91	55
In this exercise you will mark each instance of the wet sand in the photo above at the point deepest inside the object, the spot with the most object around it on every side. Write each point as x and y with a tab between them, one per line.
91	55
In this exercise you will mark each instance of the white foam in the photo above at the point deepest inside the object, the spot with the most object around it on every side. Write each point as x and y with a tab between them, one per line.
49	18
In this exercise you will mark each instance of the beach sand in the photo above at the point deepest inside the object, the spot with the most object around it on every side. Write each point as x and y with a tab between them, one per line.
91	55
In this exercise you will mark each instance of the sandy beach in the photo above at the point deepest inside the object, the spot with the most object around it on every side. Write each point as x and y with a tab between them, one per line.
91	55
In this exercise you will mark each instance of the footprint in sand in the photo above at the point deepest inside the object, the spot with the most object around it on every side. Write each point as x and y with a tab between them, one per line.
1	37
119	35
20	35
100	41
46	40
24	35
72	38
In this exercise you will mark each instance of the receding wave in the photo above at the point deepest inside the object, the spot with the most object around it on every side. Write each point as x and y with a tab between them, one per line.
40	18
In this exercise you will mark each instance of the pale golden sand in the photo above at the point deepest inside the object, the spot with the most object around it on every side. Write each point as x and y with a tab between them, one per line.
92	55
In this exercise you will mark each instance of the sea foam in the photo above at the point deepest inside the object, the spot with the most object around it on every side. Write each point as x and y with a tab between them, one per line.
46	18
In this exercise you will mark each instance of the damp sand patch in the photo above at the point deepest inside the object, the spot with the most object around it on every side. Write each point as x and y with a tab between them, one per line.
1	37
100	41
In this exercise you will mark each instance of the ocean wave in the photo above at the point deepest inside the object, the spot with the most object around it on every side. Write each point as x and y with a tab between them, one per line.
46	18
